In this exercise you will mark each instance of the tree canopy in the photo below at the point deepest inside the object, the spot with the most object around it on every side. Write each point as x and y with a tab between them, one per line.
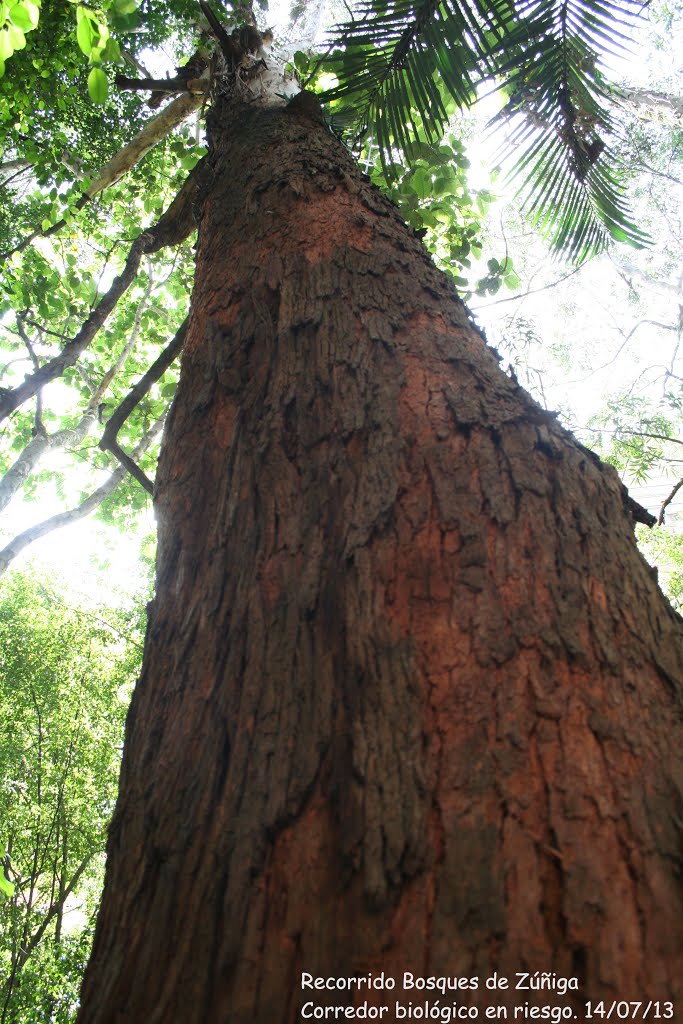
66	674
87	167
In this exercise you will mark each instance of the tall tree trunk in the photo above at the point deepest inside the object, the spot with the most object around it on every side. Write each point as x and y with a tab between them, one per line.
411	698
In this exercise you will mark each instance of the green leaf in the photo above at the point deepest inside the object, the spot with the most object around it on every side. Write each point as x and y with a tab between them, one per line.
301	61
16	37
20	17
6	48
85	33
112	51
33	11
123	7
97	85
6	887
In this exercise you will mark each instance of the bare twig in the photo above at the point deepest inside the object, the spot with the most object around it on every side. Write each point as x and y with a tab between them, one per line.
667	501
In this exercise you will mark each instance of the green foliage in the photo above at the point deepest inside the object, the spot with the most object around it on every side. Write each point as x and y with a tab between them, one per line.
435	200
17	17
47	989
393	60
66	674
636	436
663	547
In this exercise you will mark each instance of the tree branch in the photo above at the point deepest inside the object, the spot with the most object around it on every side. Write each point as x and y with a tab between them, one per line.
667	501
230	48
156	129
649	105
173	227
137	393
177	84
131	466
134	396
93	501
22	467
54	909
41	442
10	400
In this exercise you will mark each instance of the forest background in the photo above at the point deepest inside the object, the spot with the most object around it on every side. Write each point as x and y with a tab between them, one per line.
72	600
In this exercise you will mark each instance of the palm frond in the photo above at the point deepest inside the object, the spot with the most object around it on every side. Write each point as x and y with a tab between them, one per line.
403	66
558	119
398	64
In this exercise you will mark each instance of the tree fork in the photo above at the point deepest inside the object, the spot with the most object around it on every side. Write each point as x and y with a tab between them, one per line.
410	698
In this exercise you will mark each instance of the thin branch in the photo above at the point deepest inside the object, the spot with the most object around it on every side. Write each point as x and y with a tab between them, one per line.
108	377
38	426
38	934
645	433
659	174
530	291
41	442
667	501
627	338
93	501
634	433
134	396
90	615
44	330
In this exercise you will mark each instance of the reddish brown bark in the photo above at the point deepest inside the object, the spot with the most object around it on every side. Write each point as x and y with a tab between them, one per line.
411	698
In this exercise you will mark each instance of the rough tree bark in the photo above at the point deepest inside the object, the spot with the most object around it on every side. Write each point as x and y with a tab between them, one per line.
411	699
